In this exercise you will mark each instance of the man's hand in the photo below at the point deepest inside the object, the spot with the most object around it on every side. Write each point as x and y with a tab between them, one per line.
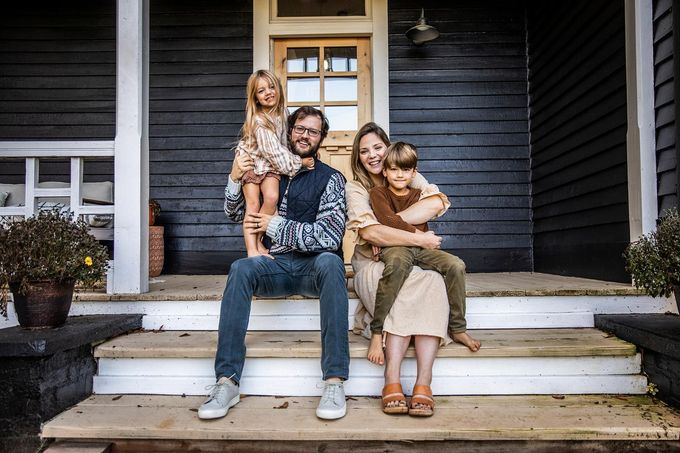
308	163
242	163
257	222
429	240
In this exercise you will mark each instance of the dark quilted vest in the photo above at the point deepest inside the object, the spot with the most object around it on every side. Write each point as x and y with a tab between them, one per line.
304	194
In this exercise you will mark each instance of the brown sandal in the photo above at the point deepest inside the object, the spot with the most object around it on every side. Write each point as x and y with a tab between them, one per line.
422	394
391	393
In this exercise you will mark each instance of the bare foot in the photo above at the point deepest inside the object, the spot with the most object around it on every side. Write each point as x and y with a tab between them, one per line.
258	253
375	350
466	340
262	249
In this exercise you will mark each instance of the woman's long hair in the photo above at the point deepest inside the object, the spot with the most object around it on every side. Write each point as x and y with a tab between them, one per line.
255	110
358	171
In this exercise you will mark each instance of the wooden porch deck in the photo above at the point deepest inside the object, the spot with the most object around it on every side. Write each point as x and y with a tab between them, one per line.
499	284
154	419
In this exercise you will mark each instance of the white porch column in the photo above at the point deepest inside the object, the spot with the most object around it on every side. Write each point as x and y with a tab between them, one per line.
641	143
131	158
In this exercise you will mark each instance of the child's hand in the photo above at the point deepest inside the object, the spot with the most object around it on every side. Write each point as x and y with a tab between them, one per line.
429	240
376	252
308	163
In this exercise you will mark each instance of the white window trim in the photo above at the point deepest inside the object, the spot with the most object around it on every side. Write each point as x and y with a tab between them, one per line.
374	25
640	140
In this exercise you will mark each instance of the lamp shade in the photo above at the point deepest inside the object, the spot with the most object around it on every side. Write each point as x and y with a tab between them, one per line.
421	32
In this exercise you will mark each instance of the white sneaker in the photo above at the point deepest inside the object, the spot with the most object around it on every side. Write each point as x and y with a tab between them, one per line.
332	404
222	396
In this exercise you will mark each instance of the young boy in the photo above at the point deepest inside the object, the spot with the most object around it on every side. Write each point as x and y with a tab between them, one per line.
399	169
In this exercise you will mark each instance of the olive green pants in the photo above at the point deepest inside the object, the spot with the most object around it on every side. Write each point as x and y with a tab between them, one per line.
399	262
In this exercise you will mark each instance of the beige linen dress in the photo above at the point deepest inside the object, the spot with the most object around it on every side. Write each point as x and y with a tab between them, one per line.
421	308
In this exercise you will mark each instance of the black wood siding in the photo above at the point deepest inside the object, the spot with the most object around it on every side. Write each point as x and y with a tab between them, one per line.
665	66
200	59
462	100
578	137
57	79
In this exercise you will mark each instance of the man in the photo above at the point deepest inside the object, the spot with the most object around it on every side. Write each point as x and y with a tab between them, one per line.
305	258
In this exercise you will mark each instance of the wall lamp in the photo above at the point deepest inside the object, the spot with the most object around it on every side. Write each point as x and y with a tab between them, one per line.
421	32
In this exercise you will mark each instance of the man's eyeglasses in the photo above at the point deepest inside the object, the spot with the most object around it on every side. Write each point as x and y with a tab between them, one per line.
310	130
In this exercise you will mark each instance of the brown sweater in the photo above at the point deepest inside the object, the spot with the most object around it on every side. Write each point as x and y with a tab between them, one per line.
386	204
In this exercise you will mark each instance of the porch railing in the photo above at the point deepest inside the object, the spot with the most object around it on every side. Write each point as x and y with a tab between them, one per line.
76	152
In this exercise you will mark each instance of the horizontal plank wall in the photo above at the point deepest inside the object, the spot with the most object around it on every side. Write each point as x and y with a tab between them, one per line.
57	79
200	59
577	114
665	105
462	100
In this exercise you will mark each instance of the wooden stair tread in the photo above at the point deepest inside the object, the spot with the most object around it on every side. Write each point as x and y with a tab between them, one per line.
496	343
592	417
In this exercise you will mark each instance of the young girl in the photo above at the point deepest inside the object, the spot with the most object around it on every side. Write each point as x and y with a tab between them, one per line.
263	138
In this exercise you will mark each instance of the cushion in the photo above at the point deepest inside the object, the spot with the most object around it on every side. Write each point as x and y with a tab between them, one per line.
102	191
16	194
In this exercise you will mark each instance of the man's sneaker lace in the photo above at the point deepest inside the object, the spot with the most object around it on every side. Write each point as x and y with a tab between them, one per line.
332	404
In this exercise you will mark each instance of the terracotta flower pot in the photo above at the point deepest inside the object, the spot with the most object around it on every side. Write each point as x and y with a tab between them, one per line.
45	304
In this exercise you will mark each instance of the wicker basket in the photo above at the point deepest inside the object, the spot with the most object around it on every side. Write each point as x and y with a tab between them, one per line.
156	250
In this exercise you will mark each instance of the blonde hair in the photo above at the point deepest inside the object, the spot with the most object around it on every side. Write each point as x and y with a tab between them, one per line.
254	110
358	170
401	155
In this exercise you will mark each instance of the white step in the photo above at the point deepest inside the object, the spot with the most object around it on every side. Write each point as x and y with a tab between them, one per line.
511	362
303	314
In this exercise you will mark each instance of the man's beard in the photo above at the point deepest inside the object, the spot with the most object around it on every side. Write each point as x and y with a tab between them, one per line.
311	152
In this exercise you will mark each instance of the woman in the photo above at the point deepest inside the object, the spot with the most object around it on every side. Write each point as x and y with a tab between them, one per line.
421	309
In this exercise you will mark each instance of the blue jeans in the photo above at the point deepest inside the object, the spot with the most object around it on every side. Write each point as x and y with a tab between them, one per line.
321	275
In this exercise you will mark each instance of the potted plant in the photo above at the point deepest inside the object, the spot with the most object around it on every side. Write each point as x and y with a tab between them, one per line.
41	259
154	211
654	260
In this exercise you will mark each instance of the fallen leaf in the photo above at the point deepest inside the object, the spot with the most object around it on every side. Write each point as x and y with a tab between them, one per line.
193	409
283	406
185	335
116	398
558	397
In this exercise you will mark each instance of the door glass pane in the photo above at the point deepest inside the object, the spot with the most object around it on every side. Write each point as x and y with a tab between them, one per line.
340	59
340	89
304	90
303	60
302	8
342	118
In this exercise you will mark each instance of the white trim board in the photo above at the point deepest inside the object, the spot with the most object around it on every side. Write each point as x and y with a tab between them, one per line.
60	148
452	376
296	314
